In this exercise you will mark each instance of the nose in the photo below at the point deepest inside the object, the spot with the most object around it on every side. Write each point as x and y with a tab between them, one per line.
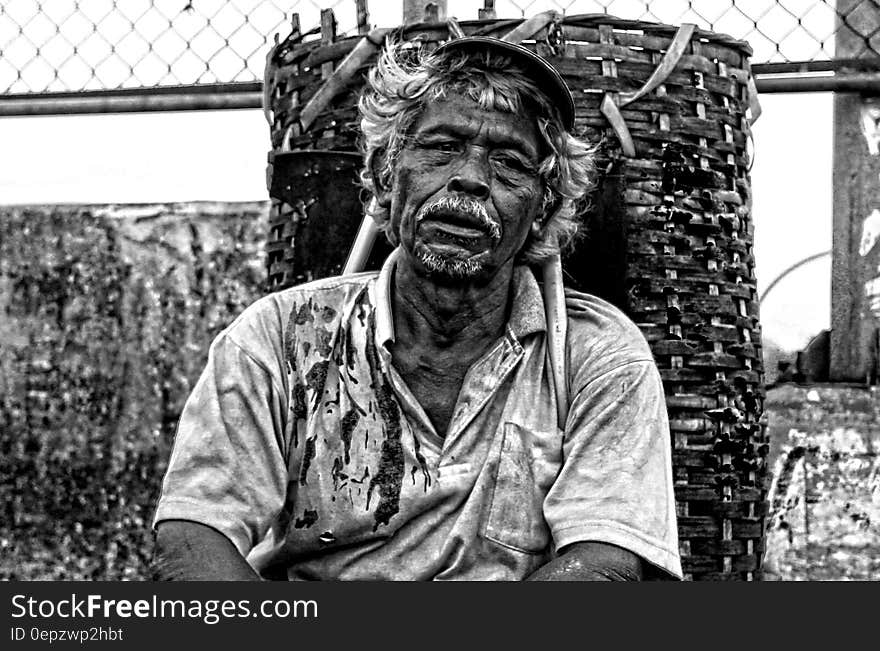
471	178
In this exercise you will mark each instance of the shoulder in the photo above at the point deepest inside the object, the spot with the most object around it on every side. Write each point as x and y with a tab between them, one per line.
268	321
596	323
600	338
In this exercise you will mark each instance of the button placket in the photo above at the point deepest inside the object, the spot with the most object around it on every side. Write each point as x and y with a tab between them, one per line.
480	384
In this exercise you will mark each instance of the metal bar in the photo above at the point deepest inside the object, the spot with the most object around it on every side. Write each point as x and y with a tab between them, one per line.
223	88
248	95
135	103
853	83
796	67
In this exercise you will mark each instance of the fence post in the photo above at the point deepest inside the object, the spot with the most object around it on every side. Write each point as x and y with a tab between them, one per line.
488	11
363	16
855	264
416	11
328	36
806	486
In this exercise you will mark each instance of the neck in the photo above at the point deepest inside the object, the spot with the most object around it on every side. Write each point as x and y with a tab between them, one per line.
465	316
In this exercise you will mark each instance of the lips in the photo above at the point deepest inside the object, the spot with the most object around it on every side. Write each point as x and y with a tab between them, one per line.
456	224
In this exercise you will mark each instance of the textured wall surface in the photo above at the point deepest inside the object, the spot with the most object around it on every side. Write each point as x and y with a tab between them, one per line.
826	502
106	314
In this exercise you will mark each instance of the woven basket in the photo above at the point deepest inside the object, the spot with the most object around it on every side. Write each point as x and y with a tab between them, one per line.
669	232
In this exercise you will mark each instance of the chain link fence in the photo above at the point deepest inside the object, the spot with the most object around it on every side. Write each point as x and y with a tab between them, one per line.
77	45
68	45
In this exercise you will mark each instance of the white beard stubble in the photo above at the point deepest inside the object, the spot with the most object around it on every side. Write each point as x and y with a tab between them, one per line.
452	267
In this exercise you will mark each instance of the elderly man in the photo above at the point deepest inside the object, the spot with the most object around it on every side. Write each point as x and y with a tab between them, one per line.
403	425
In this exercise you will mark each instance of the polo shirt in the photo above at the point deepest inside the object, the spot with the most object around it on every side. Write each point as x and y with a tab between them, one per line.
303	445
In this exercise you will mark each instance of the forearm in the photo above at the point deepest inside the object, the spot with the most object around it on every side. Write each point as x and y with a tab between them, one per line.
188	551
591	561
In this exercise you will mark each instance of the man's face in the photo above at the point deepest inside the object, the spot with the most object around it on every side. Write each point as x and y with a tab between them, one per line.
466	189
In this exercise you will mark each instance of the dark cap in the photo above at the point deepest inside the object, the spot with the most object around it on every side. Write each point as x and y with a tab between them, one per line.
546	77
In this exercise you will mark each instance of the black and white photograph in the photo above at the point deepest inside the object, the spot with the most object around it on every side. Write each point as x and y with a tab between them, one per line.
459	290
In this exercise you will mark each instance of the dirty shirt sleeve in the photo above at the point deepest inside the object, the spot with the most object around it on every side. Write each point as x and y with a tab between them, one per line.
227	469
615	485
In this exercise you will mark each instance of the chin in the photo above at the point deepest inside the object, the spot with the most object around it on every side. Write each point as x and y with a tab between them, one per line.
440	266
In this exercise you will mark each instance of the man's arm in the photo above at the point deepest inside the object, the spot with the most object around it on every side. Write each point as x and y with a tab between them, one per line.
227	475
188	551
591	561
615	486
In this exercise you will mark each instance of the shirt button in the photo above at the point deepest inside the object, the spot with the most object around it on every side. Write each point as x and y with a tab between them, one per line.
327	538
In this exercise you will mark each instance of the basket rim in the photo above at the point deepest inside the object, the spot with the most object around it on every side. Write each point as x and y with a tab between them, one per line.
649	28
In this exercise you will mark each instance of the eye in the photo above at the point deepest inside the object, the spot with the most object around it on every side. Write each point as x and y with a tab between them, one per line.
513	163
436	144
444	146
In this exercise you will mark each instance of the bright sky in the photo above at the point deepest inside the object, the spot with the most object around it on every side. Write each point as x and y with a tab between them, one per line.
221	156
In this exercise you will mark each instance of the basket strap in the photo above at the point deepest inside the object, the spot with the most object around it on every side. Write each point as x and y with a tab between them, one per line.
615	119
363	243
455	30
754	104
667	64
611	109
267	87
343	74
528	28
557	331
554	290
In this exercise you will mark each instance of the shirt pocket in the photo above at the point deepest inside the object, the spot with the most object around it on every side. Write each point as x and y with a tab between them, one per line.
527	464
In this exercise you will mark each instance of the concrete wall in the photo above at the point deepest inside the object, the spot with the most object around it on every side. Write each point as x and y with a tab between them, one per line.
106	314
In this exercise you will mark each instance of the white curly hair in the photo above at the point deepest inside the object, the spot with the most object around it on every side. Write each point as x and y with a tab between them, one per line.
407	77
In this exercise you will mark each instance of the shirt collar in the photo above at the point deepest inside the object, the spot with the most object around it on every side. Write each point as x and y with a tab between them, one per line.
527	312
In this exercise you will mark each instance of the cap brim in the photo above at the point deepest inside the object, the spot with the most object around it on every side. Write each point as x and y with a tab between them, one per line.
547	78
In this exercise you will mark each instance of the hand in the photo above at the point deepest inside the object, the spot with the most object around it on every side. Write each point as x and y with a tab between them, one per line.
591	561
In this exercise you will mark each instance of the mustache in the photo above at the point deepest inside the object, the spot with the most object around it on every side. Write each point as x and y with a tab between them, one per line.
463	206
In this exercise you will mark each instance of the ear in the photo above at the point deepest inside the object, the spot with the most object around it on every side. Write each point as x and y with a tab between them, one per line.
552	202
381	189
